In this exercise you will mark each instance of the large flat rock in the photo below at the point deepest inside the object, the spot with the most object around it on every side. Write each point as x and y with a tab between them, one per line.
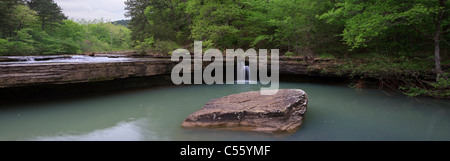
280	113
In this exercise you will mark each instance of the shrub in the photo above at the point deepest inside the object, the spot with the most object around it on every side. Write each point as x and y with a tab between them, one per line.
289	54
19	48
327	56
93	44
21	44
3	46
164	47
158	46
144	47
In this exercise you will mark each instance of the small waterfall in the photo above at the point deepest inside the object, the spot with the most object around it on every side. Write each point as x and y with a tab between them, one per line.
243	71
29	58
247	73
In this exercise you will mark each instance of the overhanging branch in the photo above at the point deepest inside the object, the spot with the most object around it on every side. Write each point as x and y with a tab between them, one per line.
443	40
446	31
420	32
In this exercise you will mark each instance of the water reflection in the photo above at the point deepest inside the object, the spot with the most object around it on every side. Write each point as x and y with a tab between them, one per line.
123	131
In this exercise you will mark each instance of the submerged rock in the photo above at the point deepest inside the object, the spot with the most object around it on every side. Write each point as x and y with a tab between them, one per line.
280	113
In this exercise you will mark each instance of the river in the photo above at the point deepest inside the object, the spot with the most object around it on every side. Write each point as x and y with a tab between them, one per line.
335	113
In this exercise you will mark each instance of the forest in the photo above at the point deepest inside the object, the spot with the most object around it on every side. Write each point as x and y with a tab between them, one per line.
396	42
399	43
38	27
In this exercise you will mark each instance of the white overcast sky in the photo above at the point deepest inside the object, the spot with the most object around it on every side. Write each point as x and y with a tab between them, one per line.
93	9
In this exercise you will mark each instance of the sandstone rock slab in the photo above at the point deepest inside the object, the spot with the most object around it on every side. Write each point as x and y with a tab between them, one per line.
280	113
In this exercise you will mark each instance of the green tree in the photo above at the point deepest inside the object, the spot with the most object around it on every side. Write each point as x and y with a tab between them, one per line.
38	27
216	23
100	35
23	17
168	20
139	23
162	20
119	36
22	43
3	46
49	13
7	8
71	35
290	25
367	20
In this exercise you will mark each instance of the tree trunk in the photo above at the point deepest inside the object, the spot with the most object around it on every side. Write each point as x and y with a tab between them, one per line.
20	25
3	31
437	40
437	60
10	31
43	24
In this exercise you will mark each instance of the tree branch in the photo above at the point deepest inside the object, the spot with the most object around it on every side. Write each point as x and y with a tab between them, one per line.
420	32
417	29
443	40
446	30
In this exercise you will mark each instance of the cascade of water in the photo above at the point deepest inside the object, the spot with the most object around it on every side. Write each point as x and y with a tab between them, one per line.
29	58
247	73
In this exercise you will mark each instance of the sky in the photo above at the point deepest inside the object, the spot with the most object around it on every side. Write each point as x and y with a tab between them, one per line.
93	9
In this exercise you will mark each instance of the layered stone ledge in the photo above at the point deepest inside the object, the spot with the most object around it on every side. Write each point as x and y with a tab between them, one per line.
18	75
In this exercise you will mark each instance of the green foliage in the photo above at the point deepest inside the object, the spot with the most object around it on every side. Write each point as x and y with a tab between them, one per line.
3	46
164	47
439	89
71	35
290	25
289	54
156	46
21	44
93	44
404	71
327	56
49	13
102	36
388	39
368	23
119	37
363	19
441	84
446	62
161	19
23	17
413	91
121	22
46	44
146	45
138	23
389	27
381	66
216	22
39	27
7	20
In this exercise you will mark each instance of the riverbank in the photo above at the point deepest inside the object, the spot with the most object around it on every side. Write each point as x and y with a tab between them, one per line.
410	75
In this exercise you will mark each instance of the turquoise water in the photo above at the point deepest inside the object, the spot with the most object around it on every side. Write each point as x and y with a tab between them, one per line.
335	113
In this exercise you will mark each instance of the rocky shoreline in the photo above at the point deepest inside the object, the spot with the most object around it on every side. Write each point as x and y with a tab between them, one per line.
24	74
